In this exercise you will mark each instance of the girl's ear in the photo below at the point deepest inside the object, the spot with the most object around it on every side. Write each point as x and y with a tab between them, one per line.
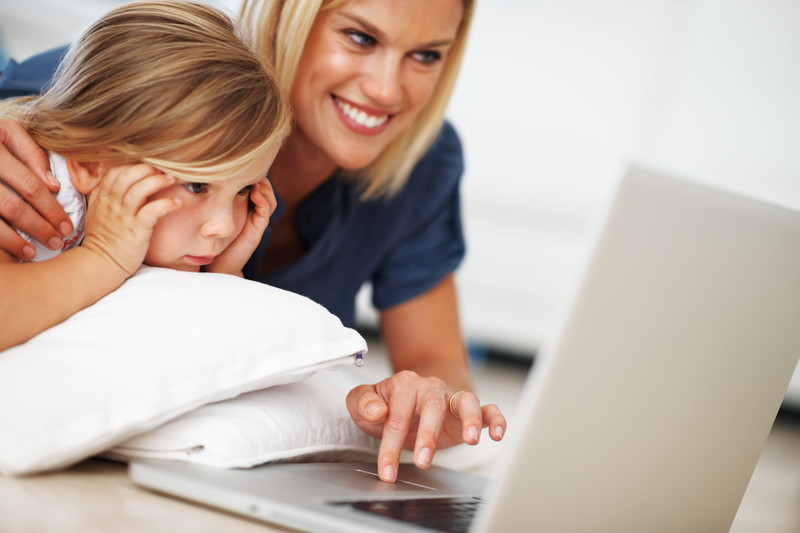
85	176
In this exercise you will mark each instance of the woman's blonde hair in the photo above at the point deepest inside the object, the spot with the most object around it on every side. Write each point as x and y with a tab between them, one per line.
281	28
169	83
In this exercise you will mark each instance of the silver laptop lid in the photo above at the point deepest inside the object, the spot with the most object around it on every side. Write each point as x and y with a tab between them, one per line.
649	408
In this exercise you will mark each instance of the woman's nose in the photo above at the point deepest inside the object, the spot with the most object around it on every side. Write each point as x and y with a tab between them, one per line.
383	80
218	222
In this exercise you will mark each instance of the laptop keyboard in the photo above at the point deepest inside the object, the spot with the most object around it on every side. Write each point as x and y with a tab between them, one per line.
451	515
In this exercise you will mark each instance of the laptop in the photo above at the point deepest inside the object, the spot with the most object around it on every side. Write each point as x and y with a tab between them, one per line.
646	410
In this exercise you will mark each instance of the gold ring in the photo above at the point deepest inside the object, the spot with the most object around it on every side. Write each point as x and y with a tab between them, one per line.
450	403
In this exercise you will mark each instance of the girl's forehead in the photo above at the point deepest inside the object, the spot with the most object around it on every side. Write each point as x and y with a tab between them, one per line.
246	168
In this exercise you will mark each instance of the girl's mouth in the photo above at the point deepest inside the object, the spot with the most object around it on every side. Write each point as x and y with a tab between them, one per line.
201	260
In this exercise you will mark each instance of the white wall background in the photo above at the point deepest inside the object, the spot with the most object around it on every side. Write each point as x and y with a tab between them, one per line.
554	98
557	94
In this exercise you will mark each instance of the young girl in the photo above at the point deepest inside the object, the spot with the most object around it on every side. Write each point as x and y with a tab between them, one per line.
161	126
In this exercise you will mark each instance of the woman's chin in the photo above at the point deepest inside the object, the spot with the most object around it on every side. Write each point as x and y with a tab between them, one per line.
355	159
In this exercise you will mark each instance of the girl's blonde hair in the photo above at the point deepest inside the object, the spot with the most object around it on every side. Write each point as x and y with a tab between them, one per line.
281	28
169	83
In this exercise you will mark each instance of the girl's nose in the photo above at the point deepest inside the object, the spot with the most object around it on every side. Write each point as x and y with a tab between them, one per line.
219	222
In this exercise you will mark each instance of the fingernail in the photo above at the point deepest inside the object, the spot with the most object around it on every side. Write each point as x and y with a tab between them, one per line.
373	408
498	433
472	433
388	473
51	178
28	252
65	228
55	243
424	457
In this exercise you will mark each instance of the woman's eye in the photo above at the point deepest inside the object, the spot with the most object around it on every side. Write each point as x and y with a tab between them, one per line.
427	57
196	188
245	191
359	38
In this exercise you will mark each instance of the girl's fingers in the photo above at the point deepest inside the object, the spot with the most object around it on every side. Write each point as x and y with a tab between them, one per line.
139	191
133	184
266	189
151	212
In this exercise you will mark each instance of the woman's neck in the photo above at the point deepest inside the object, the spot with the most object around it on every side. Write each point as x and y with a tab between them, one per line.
297	171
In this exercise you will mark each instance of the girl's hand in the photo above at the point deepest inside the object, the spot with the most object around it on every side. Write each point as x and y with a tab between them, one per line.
412	412
26	199
262	205
120	219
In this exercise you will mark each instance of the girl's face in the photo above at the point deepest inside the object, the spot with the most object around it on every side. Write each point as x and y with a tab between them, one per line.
367	69
211	216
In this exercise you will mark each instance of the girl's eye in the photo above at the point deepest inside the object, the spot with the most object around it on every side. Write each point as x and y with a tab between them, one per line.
245	191
360	39
196	188
427	57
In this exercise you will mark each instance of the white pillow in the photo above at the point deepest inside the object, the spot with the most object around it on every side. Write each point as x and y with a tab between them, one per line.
164	343
304	421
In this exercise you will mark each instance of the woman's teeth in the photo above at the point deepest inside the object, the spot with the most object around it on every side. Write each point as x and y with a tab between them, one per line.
360	117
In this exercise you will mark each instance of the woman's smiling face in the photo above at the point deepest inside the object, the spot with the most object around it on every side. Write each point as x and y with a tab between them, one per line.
367	69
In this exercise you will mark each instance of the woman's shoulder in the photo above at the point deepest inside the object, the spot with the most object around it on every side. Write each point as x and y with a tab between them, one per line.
446	147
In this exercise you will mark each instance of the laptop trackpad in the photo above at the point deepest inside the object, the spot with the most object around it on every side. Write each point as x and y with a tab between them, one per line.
358	479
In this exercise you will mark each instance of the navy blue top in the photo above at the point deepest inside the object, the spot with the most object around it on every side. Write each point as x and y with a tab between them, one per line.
30	76
404	245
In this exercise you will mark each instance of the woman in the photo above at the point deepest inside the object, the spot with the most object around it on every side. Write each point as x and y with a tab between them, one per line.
368	183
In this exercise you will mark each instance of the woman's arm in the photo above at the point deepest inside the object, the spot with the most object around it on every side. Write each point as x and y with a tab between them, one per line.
411	409
25	174
424	335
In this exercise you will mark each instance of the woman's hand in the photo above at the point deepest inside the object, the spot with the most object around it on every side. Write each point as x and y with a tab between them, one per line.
422	337
262	205
412	412
25	170
119	217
